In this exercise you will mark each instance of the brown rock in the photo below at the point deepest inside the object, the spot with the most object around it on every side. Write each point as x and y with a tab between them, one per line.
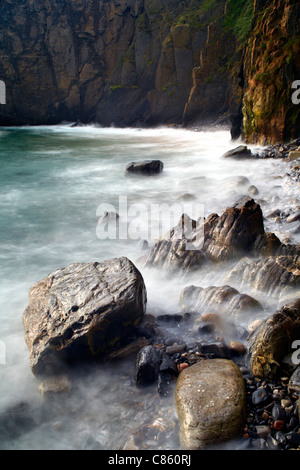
209	413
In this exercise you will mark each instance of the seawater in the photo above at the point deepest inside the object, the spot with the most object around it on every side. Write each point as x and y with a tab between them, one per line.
53	180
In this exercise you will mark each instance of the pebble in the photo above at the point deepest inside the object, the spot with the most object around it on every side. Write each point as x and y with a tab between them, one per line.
237	348
260	396
183	366
278	425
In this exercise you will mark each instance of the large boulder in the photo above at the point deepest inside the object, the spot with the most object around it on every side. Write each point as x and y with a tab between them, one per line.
224	300
273	340
210	402
84	310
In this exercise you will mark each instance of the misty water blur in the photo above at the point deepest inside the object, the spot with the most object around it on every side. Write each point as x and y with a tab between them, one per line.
52	182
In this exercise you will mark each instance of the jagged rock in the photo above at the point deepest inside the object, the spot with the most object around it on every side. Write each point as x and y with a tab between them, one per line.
146	167
224	300
272	341
82	311
173	256
235	232
210	403
239	152
275	276
218	238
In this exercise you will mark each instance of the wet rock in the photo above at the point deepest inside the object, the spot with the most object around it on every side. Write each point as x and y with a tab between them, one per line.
218	238
239	152
224	300
147	365
260	396
209	413
293	217
146	167
270	343
236	348
235	232
294	382
214	350
174	256
81	312
272	275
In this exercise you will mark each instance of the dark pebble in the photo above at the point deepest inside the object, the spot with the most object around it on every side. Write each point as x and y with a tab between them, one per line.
278	413
293	439
260	396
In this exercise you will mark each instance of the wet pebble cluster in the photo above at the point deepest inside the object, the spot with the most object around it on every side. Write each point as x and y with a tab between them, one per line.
272	415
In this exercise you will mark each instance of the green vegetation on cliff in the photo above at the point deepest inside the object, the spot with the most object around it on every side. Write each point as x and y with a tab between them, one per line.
239	18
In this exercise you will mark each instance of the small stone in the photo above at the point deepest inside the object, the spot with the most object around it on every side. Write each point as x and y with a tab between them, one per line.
278	413
285	403
183	366
278	425
237	348
262	431
265	416
260	396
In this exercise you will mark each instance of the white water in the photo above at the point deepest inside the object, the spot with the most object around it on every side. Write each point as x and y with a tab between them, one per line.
52	181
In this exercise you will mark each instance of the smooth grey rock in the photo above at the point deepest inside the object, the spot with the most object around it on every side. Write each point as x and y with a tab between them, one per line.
84	310
210	402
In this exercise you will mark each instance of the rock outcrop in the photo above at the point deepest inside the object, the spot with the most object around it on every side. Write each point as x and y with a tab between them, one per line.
275	276
82	311
218	238
210	402
273	340
224	300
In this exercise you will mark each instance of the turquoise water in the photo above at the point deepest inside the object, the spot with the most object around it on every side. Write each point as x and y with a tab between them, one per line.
53	184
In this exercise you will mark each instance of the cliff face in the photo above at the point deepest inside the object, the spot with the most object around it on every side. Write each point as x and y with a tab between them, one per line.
271	65
139	62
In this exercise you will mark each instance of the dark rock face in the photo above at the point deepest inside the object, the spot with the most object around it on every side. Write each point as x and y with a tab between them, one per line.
82	311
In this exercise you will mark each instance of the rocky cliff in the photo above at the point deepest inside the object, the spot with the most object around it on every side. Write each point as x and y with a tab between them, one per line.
148	62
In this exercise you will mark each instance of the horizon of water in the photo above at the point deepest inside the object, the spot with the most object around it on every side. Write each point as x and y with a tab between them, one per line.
53	180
